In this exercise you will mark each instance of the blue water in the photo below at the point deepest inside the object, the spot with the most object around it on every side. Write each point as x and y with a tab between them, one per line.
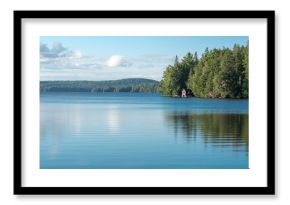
141	131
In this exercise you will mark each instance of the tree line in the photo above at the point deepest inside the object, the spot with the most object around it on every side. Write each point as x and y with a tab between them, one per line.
218	73
123	85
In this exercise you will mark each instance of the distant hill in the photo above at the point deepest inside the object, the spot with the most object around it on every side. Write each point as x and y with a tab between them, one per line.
123	85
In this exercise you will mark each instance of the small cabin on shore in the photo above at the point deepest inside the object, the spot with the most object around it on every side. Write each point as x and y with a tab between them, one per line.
183	93
186	93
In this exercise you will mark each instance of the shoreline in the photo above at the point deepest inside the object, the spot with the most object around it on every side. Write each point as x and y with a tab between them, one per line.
166	96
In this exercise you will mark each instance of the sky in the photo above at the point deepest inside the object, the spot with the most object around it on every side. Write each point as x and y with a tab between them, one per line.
117	57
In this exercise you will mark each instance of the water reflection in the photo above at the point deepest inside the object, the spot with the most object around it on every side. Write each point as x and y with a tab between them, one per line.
218	129
99	132
113	119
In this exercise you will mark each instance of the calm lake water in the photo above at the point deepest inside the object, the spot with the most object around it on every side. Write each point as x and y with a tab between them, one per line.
146	131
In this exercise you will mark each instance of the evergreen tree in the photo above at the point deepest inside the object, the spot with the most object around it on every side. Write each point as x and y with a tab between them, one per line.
219	73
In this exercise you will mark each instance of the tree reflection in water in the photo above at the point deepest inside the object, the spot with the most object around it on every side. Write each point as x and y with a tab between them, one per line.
217	129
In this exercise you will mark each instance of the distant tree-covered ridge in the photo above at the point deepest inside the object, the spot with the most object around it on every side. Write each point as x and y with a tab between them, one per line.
218	73
123	85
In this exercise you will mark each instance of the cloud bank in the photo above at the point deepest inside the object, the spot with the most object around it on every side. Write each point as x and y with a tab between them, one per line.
58	62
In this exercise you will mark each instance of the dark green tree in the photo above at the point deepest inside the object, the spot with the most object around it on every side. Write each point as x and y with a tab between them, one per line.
219	73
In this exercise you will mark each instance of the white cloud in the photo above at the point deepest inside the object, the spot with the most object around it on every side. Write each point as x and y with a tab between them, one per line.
117	61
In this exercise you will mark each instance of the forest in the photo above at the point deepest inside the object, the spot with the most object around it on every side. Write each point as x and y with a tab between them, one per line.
123	85
218	73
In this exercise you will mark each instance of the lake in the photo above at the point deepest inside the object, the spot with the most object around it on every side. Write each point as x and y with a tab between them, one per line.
142	131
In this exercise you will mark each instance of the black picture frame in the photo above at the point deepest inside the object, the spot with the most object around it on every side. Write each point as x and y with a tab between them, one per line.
19	189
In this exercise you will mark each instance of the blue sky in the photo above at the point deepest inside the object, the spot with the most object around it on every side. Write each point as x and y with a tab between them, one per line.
118	57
